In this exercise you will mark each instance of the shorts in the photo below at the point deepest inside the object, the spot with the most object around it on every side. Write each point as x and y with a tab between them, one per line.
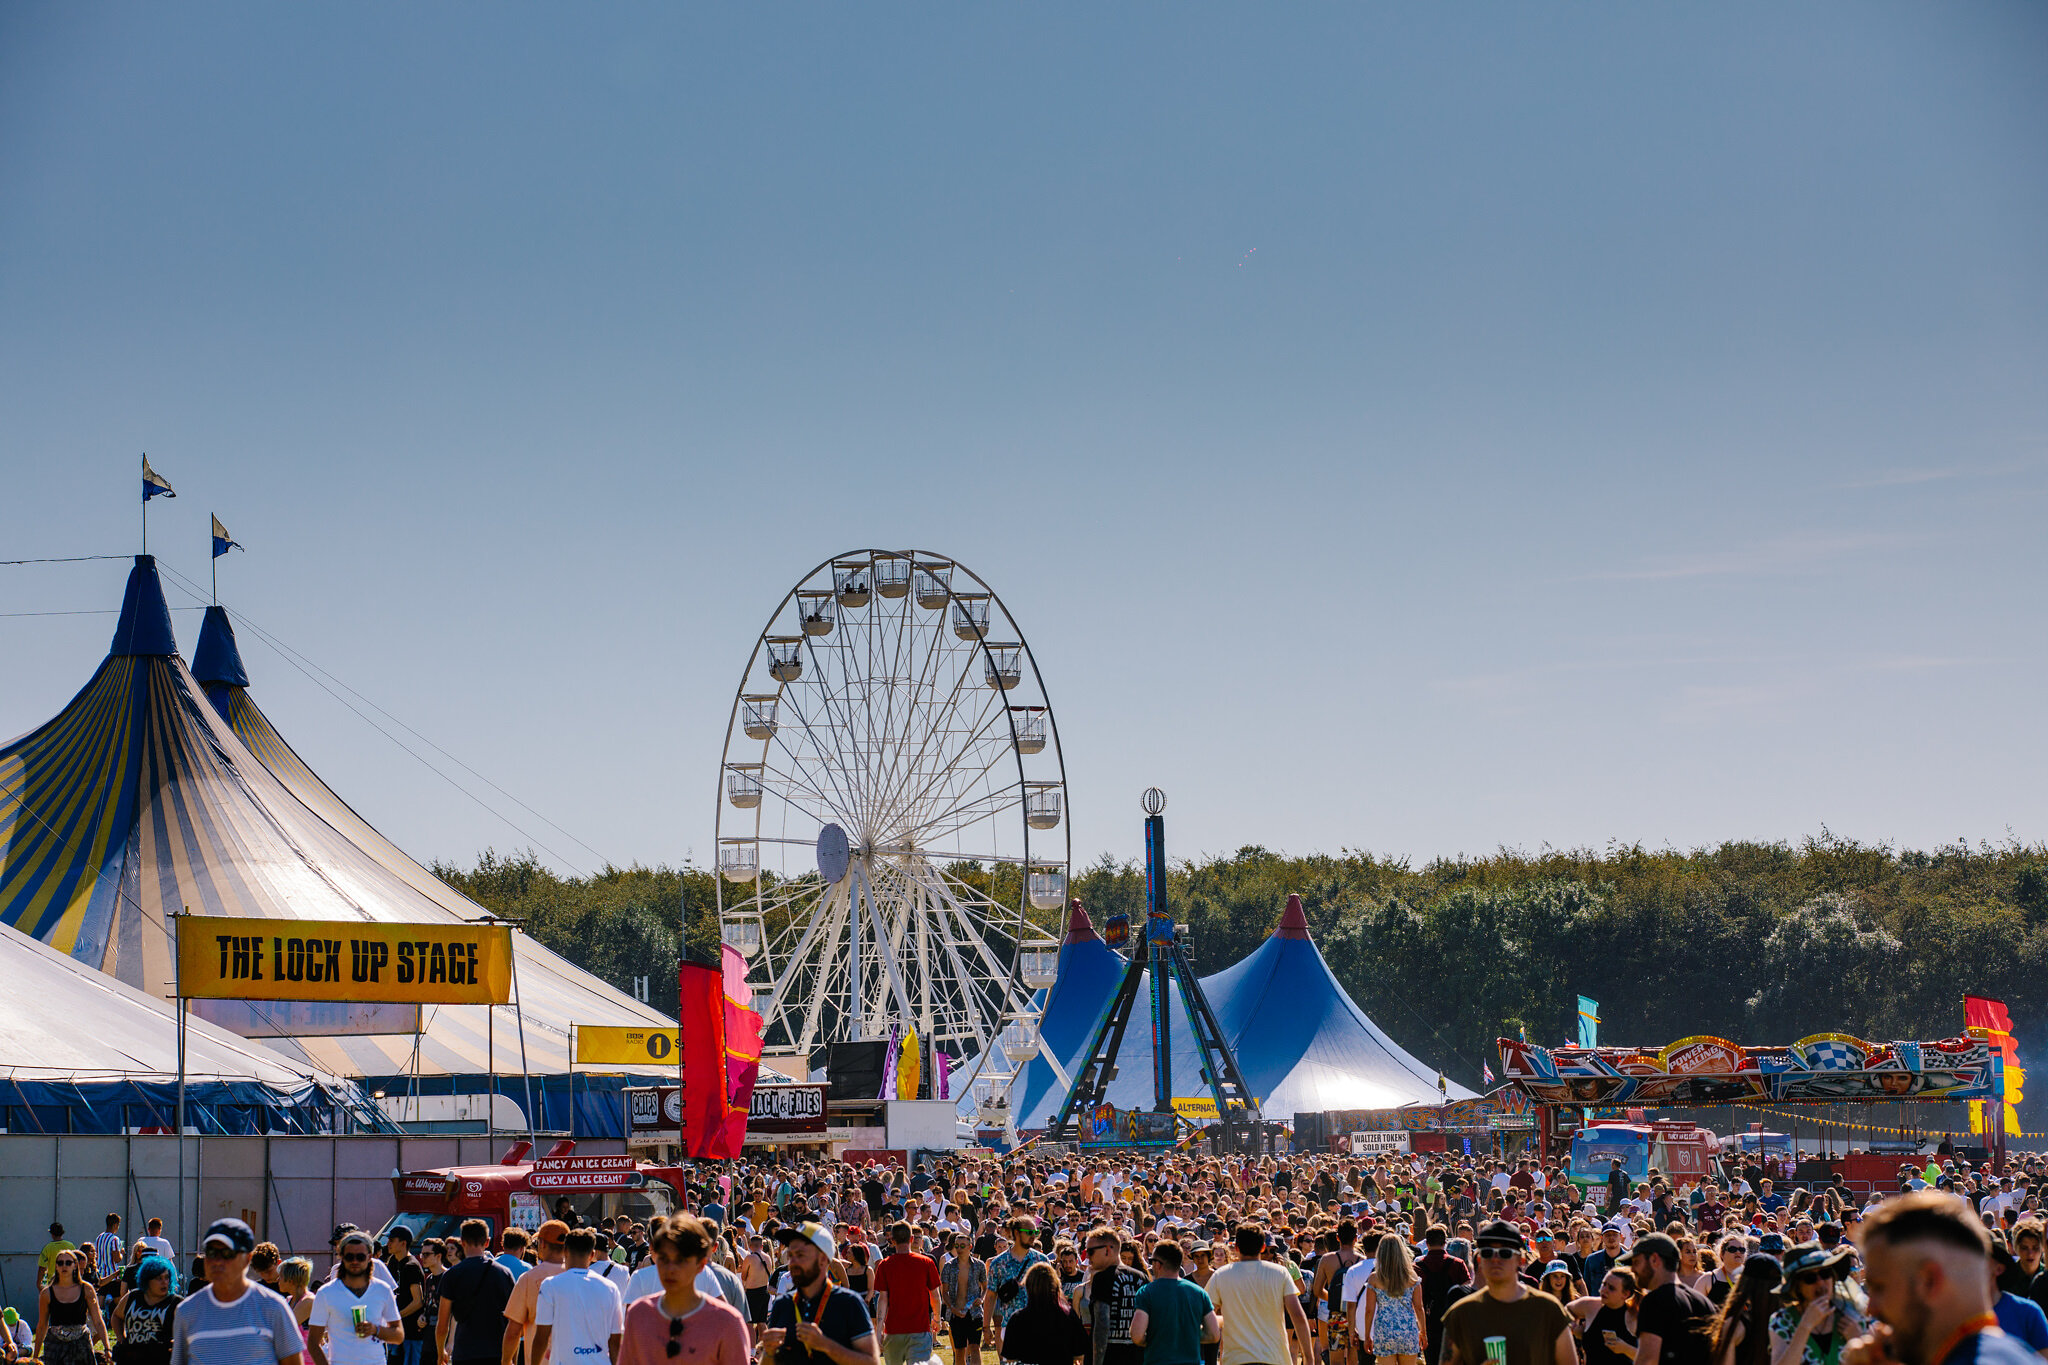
902	1348
965	1331
1340	1329
758	1299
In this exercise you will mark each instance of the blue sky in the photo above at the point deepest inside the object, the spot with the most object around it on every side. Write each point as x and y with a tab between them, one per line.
1409	428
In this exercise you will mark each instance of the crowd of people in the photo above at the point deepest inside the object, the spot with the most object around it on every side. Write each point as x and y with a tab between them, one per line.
1137	1259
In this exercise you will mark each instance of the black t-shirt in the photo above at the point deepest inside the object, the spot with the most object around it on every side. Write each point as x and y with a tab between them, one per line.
146	1332
477	1289
1678	1317
1112	1299
844	1320
410	1277
1608	1340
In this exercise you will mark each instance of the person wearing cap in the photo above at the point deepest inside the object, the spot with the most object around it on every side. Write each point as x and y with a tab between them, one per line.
521	1308
1672	1323
1925	1259
234	1321
1607	1255
1507	1323
817	1322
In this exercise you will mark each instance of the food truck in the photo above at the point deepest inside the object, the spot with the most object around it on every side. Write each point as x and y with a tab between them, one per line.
524	1194
1682	1152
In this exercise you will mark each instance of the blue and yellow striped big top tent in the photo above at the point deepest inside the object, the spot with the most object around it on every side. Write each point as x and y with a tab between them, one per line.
156	790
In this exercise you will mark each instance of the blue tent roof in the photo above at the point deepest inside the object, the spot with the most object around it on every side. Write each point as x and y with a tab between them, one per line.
1089	972
1303	1045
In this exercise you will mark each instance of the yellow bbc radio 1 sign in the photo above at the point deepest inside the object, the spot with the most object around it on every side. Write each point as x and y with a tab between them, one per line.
344	960
607	1045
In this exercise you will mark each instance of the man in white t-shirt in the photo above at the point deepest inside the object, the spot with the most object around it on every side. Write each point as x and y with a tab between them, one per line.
1500	1179
332	1324
579	1316
1256	1301
156	1242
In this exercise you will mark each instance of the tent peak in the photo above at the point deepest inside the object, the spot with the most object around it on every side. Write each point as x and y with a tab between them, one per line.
1080	929
145	625
1293	923
217	660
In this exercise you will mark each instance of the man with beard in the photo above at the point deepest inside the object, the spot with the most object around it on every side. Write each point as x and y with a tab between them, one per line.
1106	1300
817	1323
1925	1257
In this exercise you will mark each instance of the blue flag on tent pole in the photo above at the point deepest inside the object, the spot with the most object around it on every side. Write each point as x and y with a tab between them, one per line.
1589	1022
153	484
222	541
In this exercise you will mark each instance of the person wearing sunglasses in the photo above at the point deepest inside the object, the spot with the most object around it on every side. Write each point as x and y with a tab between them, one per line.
355	1314
1507	1322
683	1325
1822	1312
70	1330
234	1321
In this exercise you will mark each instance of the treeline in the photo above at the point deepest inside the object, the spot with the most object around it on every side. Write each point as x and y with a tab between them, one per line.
1756	942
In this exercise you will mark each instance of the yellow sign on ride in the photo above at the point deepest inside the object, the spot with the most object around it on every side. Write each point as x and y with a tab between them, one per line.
344	960
608	1045
1201	1110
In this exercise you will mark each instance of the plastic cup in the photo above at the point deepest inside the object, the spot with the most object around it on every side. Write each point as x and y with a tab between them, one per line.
1496	1350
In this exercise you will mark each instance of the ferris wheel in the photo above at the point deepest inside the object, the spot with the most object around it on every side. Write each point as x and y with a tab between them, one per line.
892	815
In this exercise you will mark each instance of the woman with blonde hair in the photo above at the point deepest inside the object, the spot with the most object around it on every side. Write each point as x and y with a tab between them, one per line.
293	1276
1390	1315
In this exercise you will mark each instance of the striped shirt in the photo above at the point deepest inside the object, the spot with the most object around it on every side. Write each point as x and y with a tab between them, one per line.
107	1246
256	1329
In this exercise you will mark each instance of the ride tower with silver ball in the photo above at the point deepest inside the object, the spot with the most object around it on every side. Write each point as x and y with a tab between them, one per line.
1158	954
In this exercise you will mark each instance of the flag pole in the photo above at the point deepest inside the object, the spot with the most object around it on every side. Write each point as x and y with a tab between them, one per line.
145	550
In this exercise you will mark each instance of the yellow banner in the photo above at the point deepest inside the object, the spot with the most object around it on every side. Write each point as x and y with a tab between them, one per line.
344	960
608	1045
1201	1110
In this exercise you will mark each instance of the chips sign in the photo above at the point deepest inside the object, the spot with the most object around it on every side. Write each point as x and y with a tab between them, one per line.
655	1114
608	1045
344	960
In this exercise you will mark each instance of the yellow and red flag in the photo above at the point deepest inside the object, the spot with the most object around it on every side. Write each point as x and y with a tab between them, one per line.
1989	1020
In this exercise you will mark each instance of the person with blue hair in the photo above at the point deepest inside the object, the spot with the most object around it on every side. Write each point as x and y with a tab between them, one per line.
143	1317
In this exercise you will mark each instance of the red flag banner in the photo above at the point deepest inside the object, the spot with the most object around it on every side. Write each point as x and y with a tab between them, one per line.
1979	1012
721	1051
1995	1022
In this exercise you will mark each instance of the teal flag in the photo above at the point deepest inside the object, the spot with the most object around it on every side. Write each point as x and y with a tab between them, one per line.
1589	1022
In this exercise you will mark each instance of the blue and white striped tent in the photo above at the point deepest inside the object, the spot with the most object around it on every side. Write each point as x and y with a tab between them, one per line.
144	796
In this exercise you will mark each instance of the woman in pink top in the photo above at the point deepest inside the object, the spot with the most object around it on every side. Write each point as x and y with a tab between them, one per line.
679	1326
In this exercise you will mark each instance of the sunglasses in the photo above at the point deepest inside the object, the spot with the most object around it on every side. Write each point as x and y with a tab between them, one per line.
675	1332
1807	1277
1498	1254
348	1256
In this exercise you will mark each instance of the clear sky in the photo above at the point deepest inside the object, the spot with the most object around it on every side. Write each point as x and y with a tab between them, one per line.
1402	427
